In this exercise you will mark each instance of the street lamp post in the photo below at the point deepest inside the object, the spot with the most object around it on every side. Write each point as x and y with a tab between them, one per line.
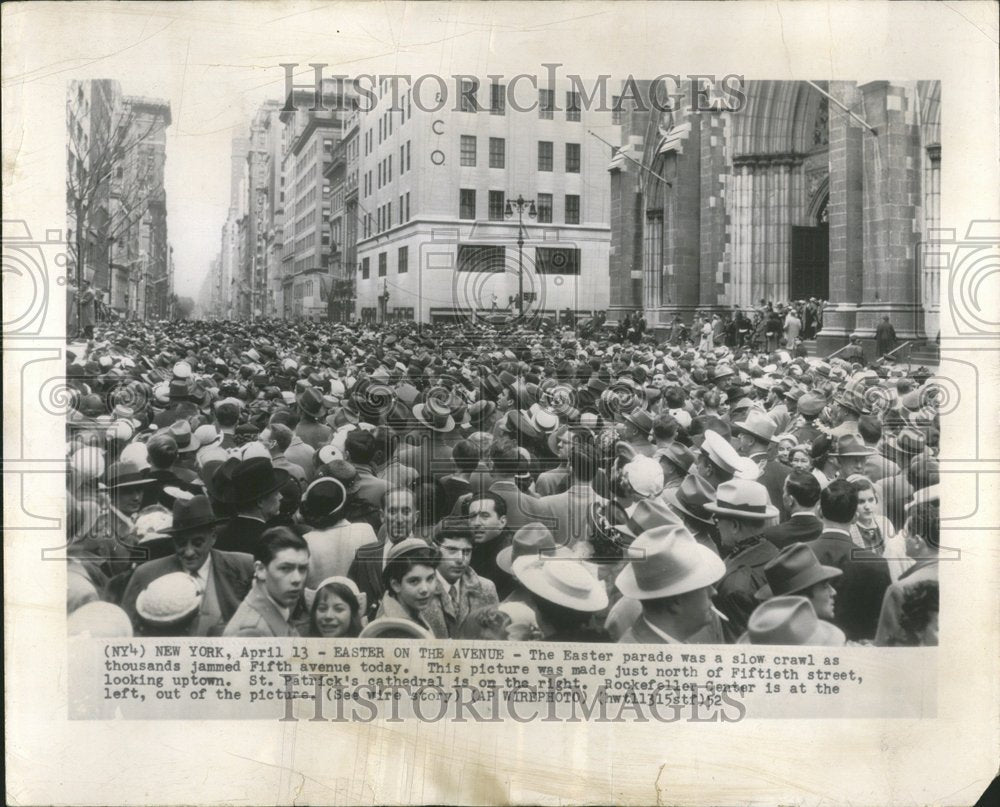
521	204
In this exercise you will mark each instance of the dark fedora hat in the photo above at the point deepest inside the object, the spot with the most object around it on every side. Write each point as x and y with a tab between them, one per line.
480	412
795	569
691	497
125	474
435	415
192	513
641	419
678	456
310	401
248	480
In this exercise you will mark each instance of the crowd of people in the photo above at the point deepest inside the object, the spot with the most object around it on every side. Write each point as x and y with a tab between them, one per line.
505	482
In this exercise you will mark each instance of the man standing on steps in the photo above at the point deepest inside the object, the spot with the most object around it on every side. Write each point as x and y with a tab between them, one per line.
885	337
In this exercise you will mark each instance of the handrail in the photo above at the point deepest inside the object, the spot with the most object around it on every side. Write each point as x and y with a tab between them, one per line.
909	353
839	350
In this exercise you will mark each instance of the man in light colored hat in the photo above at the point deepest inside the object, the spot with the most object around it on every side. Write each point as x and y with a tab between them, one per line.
224	578
673	577
755	435
791	621
564	593
742	509
718	461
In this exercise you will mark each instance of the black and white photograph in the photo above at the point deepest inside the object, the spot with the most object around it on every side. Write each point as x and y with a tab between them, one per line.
411	367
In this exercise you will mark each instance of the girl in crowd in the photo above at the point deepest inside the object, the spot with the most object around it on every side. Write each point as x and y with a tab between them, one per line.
786	443
336	609
872	530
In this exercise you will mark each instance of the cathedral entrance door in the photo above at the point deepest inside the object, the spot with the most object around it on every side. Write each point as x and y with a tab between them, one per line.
809	273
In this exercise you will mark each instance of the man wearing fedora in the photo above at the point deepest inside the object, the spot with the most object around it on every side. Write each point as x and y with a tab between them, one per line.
741	509
251	487
673	577
676	461
636	427
809	409
796	570
688	501
800	496
865	575
755	435
112	536
312	409
224	578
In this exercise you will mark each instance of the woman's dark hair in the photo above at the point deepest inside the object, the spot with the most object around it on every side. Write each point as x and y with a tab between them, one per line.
484	623
401	565
920	602
342	591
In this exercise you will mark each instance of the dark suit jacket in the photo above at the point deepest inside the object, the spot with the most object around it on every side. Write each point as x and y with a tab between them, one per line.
773	478
861	587
232	573
737	589
366	572
798	529
241	534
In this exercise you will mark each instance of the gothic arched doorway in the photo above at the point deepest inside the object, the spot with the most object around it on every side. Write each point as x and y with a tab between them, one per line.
809	274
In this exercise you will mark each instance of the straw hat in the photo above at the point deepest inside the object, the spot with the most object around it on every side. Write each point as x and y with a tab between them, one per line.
742	499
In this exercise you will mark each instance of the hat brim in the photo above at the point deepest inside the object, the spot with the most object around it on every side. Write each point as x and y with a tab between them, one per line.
528	571
770	511
709	570
214	522
505	557
281	477
383	624
135	483
449	425
818	575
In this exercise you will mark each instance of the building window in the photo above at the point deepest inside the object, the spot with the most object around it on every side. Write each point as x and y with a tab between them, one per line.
544	208
616	110
572	158
573	106
402	159
403	260
407	155
572	209
388	215
466	204
496	205
546	103
498	99
467	96
388	177
366	269
544	155
481	258
401	209
407	205
382	264
498	152
557	261
468	150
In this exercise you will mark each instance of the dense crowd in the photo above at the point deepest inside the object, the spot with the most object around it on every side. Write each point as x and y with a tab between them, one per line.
497	481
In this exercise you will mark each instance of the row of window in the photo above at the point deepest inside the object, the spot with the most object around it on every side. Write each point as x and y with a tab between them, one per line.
489	258
469	148
469	102
384	173
402	263
385	122
497	203
383	216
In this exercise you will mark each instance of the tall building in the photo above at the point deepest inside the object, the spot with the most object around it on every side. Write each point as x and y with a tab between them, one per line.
341	174
263	161
438	237
791	195
306	251
233	292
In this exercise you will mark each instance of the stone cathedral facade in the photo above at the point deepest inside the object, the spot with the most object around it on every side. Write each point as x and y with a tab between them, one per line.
784	197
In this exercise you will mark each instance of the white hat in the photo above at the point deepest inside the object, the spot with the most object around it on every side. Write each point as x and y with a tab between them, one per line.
747	469
644	475
720	452
562	581
667	561
742	499
790	621
135	453
377	628
169	598
99	619
328	454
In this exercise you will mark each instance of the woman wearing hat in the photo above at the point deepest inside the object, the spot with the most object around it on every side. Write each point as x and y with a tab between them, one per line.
336	609
410	582
332	539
